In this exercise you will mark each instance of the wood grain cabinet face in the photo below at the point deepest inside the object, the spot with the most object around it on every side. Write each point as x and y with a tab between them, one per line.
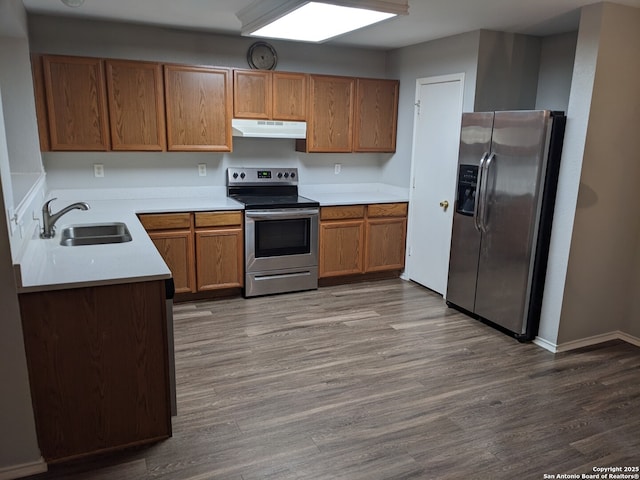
41	102
219	250
136	105
269	95
199	108
172	234
98	367
289	96
176	248
330	119
76	103
342	238
376	115
203	250
357	239
252	94
341	248
385	236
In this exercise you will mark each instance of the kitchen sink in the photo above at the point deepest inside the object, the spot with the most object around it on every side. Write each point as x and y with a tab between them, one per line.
95	234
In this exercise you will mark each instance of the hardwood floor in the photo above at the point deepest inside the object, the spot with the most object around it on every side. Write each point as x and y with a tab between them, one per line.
379	380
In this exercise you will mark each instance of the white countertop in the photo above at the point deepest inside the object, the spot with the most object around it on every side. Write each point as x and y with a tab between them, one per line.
46	265
354	194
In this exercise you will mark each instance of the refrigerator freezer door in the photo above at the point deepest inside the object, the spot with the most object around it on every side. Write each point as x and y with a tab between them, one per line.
514	180
475	142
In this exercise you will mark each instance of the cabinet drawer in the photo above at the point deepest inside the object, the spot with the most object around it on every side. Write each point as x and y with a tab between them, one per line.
387	210
342	212
165	221
218	219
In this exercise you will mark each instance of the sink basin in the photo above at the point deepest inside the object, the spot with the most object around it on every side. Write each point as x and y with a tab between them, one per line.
95	234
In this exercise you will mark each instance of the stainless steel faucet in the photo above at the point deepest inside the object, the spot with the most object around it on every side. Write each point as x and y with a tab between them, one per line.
49	220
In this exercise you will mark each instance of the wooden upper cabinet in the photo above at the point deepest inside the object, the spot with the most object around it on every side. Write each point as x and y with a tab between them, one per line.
267	95
252	94
136	105
376	115
199	108
289	96
330	118
41	101
76	103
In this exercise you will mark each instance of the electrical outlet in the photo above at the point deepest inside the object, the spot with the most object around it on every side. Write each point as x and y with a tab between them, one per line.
98	170
337	168
202	169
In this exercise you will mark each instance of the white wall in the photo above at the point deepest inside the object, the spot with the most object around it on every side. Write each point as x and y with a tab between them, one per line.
508	67
592	276
18	441
632	326
22	167
456	54
601	270
109	39
556	70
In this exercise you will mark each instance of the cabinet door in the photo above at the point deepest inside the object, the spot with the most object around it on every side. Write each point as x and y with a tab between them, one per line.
41	101
98	367
199	108
136	105
219	257
252	94
341	248
289	96
376	115
385	244
330	122
76	103
176	248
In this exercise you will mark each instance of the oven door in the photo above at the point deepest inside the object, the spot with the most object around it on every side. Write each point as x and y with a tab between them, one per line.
277	239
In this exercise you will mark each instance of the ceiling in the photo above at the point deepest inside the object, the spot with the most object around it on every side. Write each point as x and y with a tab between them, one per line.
427	19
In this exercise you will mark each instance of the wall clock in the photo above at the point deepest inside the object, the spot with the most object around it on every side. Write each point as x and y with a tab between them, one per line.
262	55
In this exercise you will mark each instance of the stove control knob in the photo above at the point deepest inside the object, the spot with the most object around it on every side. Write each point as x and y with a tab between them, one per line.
279	174
235	175
242	175
286	174
293	174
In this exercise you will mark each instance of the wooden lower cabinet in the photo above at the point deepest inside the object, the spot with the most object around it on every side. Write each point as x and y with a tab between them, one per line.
385	240
386	236
358	239
98	367
203	250
172	234
341	248
176	248
219	250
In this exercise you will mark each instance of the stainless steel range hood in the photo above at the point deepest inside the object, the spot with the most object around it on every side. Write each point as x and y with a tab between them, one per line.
268	128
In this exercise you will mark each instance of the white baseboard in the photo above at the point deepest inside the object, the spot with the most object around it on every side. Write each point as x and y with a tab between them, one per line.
585	342
23	470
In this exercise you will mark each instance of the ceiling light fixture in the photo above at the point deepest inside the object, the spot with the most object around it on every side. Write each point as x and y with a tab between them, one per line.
315	21
73	3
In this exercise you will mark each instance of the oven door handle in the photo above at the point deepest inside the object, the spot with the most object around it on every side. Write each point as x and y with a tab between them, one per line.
280	213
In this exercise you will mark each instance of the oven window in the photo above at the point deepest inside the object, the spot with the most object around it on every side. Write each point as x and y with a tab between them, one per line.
282	237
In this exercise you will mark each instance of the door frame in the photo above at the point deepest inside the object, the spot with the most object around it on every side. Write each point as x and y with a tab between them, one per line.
406	274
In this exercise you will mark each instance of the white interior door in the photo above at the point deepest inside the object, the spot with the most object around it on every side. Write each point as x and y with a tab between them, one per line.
434	165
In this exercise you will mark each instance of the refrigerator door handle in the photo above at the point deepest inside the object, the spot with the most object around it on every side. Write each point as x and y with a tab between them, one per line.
476	201
484	201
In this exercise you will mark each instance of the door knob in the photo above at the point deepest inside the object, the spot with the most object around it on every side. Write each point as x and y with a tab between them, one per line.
444	204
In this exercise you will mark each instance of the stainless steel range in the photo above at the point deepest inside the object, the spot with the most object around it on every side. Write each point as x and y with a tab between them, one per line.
281	230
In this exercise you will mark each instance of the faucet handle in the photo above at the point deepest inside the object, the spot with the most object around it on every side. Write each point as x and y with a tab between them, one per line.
47	204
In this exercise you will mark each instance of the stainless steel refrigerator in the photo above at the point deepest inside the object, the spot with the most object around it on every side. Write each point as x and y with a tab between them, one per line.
507	176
